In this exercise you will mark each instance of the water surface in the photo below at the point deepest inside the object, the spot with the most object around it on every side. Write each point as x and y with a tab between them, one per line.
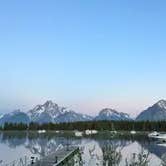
95	150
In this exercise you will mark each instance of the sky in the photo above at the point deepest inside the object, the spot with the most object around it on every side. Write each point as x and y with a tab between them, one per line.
82	54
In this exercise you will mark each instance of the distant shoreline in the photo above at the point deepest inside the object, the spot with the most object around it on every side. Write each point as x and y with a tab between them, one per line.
91	125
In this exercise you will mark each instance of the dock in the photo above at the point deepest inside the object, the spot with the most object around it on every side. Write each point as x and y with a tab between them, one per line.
58	158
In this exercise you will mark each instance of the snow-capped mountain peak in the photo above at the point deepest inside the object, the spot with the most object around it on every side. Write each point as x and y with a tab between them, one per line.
51	112
108	111
48	110
156	112
162	104
111	114
49	105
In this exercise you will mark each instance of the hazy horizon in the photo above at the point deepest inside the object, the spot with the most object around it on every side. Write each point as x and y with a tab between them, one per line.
85	55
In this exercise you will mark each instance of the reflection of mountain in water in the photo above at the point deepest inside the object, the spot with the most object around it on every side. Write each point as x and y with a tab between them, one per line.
45	146
120	144
40	145
153	148
13	139
93	148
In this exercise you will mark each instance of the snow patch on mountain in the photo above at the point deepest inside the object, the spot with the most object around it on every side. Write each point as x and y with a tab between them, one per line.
162	104
111	114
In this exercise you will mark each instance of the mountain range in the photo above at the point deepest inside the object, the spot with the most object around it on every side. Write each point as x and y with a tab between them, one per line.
52	112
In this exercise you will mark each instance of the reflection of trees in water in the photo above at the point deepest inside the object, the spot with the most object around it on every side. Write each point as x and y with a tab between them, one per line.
111	155
42	145
13	139
140	159
153	147
120	144
111	150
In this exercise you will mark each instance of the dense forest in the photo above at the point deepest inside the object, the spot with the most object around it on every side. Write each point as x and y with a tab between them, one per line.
92	125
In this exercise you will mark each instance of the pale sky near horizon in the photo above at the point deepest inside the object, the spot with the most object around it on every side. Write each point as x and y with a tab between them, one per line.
83	54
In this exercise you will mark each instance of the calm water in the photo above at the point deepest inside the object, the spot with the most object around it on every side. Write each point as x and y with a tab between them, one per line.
95	150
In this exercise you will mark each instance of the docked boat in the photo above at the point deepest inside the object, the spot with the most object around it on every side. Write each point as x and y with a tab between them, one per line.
157	135
90	132
153	134
94	131
78	133
57	131
41	131
113	132
133	132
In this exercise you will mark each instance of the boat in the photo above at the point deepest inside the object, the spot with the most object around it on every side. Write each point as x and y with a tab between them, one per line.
41	131
57	131
157	135
113	132
94	131
90	132
133	132
78	133
153	134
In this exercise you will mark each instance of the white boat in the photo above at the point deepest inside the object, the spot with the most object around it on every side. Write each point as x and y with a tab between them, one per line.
78	133
41	131
154	134
94	131
133	132
57	131
113	132
90	132
157	135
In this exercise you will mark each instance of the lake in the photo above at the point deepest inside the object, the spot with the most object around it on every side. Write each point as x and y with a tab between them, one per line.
99	149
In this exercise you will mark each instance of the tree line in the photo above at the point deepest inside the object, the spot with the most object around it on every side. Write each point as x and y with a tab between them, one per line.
92	125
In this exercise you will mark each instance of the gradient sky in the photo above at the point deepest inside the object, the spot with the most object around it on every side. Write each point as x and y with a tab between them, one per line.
83	54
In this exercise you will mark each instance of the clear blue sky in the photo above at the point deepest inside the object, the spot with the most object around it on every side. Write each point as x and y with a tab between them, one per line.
84	54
